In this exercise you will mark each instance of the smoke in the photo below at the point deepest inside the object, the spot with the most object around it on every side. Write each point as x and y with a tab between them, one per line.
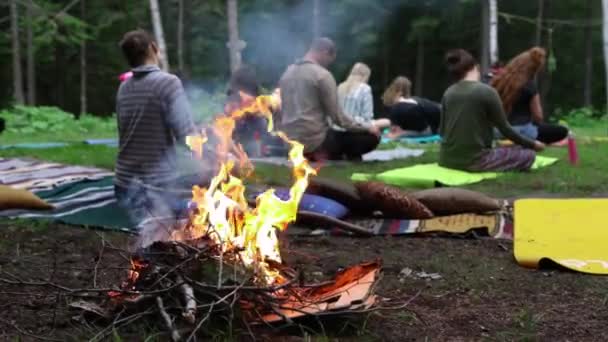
277	36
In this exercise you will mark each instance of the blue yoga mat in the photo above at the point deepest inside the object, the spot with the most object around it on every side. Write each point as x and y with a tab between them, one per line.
415	140
107	142
34	145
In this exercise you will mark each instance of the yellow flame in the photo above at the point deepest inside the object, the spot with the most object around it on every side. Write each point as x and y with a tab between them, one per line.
223	213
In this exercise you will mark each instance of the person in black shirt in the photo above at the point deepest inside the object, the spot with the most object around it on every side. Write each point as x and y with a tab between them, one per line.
409	116
520	98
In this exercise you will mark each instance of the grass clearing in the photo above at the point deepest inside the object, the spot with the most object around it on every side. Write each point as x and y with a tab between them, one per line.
482	295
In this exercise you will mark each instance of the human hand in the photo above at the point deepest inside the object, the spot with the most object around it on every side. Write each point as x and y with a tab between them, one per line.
373	129
539	146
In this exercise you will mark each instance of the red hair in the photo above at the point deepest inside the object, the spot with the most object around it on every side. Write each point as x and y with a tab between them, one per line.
519	71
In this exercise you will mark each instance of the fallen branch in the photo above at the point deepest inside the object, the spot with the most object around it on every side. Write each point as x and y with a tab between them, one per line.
190	301
175	336
330	222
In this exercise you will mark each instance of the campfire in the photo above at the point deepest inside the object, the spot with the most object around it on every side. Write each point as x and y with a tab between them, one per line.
226	257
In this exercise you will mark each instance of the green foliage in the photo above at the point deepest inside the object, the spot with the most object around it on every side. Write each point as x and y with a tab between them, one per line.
582	117
422	28
25	122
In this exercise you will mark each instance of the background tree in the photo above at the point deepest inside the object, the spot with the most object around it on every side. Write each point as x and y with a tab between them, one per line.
31	54
588	34
16	48
235	45
83	63
421	30
493	27
159	34
180	35
605	39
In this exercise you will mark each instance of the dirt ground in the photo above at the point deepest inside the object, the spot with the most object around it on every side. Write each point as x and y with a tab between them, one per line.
482	293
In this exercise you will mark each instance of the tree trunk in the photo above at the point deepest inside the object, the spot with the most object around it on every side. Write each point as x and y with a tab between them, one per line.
31	62
235	45
418	86
484	54
180	36
587	90
316	18
540	16
83	65
159	34
17	74
187	47
605	41
493	22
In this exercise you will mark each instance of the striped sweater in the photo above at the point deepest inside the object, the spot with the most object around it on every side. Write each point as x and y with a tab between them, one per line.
153	115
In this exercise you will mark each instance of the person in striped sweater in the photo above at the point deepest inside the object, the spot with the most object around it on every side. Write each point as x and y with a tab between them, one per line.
154	116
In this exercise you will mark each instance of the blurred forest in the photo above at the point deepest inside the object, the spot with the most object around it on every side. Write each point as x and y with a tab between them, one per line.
65	52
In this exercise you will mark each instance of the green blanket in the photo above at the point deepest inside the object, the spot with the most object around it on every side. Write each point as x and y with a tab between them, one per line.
86	203
430	175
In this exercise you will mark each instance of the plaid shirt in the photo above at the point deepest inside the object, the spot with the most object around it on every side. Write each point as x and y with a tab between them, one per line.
358	104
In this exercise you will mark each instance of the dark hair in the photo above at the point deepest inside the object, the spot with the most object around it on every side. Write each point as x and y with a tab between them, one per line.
244	79
459	62
323	44
135	46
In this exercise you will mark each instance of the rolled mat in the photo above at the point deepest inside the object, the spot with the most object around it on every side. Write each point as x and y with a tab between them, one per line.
431	175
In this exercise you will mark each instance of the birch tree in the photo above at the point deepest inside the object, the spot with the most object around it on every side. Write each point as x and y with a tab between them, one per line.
235	45
493	35
159	34
17	74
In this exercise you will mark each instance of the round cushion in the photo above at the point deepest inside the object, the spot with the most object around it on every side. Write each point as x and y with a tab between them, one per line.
450	201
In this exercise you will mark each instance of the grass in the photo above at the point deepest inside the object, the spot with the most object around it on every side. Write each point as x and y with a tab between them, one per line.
476	273
586	179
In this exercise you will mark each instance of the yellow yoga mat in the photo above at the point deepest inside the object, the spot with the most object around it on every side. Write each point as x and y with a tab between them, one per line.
570	232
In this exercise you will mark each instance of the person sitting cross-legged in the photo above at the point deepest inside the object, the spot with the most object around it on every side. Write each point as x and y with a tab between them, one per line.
309	100
470	112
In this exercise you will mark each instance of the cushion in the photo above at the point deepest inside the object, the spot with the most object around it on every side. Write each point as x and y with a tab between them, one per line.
345	193
313	203
391	201
451	201
20	199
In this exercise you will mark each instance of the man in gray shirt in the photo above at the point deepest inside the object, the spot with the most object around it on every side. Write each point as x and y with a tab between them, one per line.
309	97
153	116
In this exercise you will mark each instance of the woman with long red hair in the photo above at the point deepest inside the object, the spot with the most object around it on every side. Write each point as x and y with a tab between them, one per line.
517	89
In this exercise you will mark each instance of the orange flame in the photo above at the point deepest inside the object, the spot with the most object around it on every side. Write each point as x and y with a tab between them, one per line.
223	213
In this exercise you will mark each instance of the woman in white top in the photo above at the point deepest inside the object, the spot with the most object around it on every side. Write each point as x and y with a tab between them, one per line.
355	97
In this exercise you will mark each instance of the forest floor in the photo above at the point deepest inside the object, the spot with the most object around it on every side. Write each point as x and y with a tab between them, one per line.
482	293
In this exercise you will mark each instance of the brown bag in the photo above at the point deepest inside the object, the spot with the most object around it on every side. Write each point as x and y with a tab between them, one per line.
391	201
451	201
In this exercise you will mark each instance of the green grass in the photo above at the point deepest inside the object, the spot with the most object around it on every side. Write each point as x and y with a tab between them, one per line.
587	178
77	154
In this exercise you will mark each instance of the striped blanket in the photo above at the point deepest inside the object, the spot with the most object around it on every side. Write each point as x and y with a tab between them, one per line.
496	225
34	175
81	195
